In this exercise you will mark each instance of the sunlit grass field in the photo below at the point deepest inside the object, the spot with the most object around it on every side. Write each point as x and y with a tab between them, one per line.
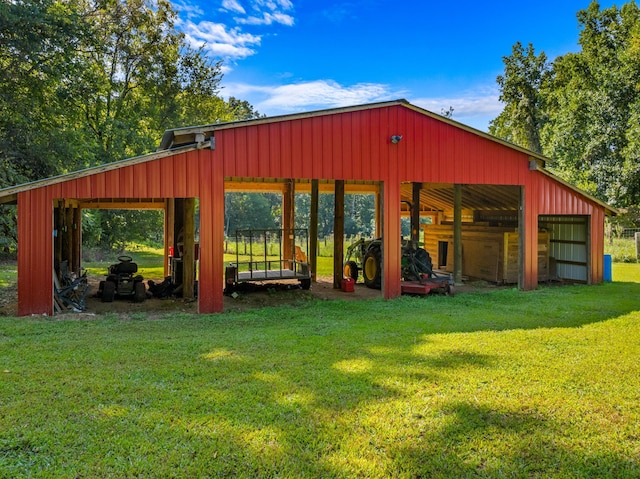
491	384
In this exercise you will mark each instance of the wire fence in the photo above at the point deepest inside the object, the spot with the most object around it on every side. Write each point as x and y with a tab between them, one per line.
629	232
242	245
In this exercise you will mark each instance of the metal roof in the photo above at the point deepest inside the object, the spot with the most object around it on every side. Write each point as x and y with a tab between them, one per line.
185	139
178	137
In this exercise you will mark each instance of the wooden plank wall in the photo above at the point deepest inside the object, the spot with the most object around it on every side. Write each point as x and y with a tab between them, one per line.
488	253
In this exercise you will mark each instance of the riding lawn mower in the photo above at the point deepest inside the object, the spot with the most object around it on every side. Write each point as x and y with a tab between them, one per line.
121	282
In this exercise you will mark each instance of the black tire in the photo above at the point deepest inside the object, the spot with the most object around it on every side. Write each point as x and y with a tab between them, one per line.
100	289
305	284
450	290
350	270
108	292
372	268
139	292
423	261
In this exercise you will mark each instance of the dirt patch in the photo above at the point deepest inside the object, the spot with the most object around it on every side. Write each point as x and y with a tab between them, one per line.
9	301
258	296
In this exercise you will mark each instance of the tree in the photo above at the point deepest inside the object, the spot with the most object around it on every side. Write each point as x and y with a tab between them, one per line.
251	211
583	110
594	106
85	82
37	44
520	90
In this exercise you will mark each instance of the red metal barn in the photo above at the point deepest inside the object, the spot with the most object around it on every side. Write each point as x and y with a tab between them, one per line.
402	152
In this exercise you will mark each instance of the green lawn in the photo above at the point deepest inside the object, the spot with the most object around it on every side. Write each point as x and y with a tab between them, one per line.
494	384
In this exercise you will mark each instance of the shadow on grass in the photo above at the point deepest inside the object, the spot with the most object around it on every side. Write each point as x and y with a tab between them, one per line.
481	441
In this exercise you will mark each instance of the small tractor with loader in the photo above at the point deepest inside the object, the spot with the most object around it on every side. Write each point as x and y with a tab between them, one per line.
365	256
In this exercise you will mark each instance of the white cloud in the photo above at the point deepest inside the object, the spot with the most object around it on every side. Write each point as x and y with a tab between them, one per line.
234	6
220	40
474	107
187	10
273	4
267	19
268	12
226	42
294	97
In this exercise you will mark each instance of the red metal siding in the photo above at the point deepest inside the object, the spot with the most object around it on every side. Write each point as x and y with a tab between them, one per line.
35	253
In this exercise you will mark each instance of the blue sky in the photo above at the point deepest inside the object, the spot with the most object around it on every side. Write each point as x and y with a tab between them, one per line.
288	56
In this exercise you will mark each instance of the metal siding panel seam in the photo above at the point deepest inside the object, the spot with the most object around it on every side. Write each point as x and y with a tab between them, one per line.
236	156
152	172
306	149
316	140
276	153
261	145
297	156
337	154
140	180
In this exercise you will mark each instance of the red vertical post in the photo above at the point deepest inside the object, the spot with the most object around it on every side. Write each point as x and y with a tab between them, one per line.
211	278
391	239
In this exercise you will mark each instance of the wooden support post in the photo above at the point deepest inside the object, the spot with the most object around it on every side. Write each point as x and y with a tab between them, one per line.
68	237
59	225
76	259
188	258
457	234
521	240
169	225
378	214
178	224
637	238
288	220
338	234
415	212
313	230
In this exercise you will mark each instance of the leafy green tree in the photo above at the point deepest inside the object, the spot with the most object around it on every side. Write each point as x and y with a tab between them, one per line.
520	90
251	211
38	39
594	106
583	110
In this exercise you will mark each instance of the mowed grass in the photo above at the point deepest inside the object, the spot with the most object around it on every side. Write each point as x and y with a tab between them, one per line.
493	384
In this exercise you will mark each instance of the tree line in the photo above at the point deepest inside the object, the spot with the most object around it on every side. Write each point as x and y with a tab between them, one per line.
582	109
87	82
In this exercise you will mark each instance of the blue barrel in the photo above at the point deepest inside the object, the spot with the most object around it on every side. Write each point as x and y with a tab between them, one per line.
607	268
